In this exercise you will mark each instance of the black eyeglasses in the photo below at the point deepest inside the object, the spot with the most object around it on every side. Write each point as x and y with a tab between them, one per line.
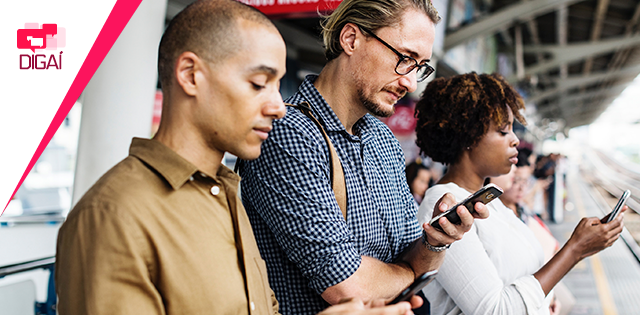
406	64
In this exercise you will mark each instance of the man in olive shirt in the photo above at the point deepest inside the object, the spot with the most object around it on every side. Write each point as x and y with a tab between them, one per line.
163	231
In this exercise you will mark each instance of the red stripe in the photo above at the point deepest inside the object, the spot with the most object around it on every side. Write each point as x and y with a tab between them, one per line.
118	18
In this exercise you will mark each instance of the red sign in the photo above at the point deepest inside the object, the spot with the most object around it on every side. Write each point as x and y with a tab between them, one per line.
157	112
293	7
402	121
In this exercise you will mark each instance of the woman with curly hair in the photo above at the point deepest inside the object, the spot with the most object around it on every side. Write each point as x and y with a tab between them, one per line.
498	267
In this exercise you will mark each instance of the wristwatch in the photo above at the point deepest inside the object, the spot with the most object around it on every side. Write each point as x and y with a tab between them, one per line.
430	247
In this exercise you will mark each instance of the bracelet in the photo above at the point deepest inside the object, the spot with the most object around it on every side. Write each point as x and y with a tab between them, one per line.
430	247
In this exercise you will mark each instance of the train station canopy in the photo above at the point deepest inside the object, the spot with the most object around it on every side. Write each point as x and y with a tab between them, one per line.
572	58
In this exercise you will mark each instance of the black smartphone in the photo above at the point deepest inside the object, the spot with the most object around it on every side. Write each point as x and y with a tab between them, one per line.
416	286
614	213
484	195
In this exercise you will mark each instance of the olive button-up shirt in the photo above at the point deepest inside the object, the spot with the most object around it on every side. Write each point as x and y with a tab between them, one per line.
155	235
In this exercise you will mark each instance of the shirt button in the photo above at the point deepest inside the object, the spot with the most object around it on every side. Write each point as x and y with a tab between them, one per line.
215	190
253	306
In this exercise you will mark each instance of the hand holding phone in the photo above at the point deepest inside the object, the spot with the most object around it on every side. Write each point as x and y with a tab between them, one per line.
616	210
416	286
485	195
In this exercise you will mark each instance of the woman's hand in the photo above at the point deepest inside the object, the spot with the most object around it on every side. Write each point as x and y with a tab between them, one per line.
592	236
555	306
588	238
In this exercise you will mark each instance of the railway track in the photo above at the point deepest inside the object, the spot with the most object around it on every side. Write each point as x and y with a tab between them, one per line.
609	179
614	177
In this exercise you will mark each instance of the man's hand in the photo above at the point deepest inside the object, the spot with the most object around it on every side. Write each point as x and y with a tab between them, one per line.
355	306
376	279
452	232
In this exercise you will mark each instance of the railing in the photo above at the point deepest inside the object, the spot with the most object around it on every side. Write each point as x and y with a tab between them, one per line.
41	308
44	263
614	179
31	219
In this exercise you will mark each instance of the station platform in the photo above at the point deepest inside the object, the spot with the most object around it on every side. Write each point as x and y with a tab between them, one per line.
607	282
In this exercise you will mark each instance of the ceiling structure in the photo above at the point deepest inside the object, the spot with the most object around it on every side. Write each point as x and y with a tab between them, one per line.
573	58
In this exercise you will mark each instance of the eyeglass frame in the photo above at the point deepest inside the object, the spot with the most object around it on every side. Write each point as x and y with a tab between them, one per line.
429	69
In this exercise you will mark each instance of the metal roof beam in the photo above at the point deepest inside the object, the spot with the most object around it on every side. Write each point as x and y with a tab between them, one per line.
604	92
591	108
577	81
488	25
561	25
580	114
576	52
533	30
622	55
598	20
571	100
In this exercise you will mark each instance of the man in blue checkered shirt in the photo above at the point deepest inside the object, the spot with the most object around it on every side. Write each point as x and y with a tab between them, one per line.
377	51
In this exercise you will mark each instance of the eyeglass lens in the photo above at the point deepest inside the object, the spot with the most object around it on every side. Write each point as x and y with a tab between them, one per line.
406	65
424	72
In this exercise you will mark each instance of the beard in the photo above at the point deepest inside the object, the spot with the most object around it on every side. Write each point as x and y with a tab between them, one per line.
375	108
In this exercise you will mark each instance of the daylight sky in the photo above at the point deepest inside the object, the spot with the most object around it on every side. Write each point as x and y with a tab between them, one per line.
618	128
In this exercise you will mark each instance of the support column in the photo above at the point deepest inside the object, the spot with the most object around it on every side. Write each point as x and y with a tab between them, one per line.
117	104
519	53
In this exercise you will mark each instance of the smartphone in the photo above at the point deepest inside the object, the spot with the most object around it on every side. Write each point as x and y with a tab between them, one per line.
416	286
484	195
614	213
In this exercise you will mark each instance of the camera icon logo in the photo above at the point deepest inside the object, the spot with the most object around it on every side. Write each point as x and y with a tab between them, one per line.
47	36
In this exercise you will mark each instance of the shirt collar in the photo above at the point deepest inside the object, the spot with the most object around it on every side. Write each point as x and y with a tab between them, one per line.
319	105
169	164
326	114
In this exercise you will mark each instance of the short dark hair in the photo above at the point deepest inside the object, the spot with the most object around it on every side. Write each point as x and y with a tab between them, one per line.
454	113
208	28
523	157
411	170
369	14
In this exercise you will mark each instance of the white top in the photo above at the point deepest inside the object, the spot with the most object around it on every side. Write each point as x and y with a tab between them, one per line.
489	271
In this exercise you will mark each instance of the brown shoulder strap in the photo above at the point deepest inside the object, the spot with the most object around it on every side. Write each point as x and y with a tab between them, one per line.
338	183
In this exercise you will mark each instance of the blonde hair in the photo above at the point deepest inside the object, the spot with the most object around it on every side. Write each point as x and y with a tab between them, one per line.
368	14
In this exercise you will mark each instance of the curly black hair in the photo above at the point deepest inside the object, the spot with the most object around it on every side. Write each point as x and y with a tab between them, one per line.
454	113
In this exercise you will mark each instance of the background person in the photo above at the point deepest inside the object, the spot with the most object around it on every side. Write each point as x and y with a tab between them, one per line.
498	267
516	185
419	178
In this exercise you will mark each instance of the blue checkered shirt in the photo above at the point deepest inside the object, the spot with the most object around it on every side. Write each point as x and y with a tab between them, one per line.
301	233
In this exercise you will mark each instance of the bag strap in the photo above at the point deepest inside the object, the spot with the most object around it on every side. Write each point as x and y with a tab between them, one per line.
338	183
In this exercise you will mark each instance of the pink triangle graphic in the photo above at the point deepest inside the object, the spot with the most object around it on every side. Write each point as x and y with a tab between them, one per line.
117	20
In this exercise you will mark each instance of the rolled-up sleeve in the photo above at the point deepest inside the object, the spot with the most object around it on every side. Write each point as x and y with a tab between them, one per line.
290	189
